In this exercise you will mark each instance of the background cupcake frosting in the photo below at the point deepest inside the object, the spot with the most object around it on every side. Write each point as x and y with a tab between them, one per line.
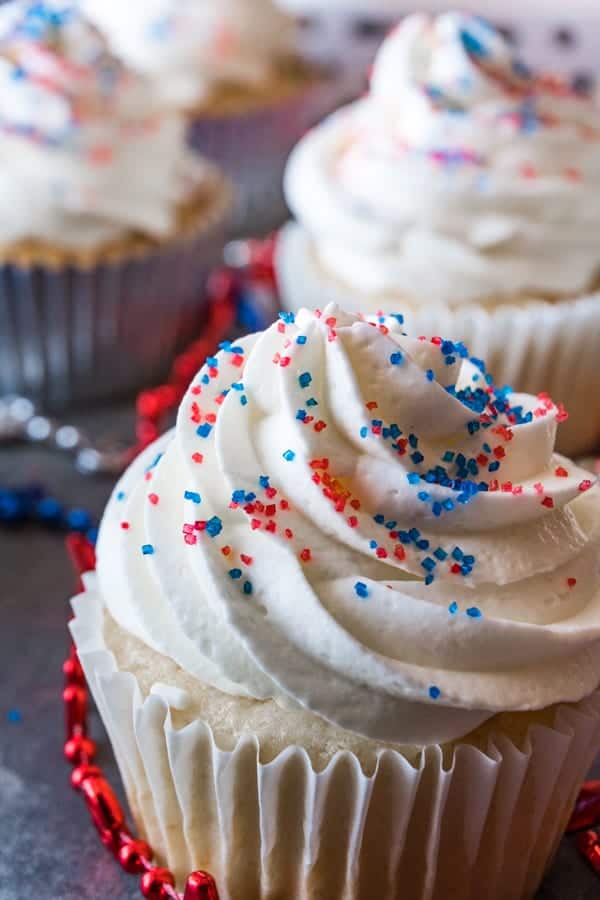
87	153
403	562
461	156
191	47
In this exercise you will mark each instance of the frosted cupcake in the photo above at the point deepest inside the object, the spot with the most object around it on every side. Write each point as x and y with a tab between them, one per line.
345	628
234	68
464	191
109	224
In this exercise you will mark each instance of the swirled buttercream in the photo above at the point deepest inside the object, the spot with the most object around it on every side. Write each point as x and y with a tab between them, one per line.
462	176
359	522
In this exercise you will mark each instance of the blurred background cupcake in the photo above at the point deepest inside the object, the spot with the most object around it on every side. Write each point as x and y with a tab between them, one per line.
462	191
235	69
109	224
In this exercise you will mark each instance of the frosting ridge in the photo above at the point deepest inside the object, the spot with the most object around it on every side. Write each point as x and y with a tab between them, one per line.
361	523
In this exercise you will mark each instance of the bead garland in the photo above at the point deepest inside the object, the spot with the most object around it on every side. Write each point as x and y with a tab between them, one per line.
134	856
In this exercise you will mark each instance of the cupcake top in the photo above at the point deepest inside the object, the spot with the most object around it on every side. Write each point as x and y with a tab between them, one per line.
190	48
87	155
362	524
461	155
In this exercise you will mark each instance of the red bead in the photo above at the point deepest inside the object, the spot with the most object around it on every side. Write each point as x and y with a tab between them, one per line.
154	883
200	886
134	856
79	775
75	701
587	808
79	749
105	810
588	845
148	405
72	671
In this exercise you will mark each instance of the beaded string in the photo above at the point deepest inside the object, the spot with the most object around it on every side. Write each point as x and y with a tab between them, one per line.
134	856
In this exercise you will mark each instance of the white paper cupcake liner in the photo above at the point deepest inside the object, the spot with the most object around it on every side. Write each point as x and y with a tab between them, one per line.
71	335
252	147
485	827
537	346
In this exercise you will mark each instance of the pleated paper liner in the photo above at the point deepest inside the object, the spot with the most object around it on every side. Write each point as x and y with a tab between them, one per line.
462	825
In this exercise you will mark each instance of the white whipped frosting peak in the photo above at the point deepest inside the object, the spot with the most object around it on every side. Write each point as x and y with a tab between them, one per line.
86	153
358	522
458	155
190	46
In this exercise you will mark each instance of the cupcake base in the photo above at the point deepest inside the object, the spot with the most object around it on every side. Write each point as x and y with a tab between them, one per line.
251	134
81	326
480	818
533	345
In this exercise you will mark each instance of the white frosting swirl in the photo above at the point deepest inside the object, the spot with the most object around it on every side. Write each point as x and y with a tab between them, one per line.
460	157
353	520
190	47
86	154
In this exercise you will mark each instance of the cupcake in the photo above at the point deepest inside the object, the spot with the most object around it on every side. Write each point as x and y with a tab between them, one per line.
345	627
463	191
110	223
234	68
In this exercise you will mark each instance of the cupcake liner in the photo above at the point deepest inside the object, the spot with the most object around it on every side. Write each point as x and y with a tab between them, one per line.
484	824
70	334
534	346
252	147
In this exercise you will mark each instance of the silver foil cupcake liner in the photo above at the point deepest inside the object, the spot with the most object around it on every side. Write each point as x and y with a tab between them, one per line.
252	148
70	335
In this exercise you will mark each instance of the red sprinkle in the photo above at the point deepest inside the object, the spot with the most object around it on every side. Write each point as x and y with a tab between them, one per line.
226	550
381	553
124	525
585	485
197	457
305	555
399	552
353	522
247	560
561	472
289	533
571	582
548	502
153	498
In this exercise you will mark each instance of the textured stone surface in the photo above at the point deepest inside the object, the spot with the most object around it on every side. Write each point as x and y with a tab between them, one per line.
48	848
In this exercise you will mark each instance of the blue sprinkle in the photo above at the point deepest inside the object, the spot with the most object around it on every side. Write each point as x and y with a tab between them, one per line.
430	375
413	478
235	574
205	379
204	430
429	579
468	560
238	496
423	496
453	608
301	339
250	497
396	358
436	508
379	518
474	612
448	504
121	495
287	317
312	402
247	587
457	554
364	431
237	386
398	317
390	525
373	545
440	554
494	466
194	496
264	481
301	415
428	564
289	455
423	544
305	379
214	526
243	400
448	456
417	457
212	361
147	549
434	692
361	589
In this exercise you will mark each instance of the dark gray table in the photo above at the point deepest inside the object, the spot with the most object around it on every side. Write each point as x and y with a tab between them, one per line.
48	848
